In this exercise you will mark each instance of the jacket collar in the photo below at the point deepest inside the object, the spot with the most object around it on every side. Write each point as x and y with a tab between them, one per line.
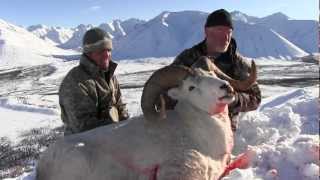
91	68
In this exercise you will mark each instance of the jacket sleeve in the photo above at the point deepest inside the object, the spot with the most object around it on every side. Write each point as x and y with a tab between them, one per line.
245	100
122	109
79	107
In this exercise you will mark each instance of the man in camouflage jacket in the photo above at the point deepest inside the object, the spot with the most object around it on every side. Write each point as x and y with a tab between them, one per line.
90	95
221	48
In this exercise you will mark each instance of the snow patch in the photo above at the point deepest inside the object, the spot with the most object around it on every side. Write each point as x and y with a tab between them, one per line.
164	17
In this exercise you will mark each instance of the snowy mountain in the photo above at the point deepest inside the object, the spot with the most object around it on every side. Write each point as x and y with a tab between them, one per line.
302	33
118	28
114	29
75	41
274	18
20	47
169	33
131	24
165	35
70	38
58	35
264	42
239	16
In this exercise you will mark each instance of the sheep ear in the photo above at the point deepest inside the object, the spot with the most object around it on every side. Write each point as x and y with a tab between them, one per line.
174	93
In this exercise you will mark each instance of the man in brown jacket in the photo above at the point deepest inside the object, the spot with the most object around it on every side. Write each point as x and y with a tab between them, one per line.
220	48
90	95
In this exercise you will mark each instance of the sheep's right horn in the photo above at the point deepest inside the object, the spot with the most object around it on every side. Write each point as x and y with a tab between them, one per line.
159	83
241	85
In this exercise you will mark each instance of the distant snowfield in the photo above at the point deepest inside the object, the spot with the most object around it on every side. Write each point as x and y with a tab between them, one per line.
19	47
17	117
25	111
282	135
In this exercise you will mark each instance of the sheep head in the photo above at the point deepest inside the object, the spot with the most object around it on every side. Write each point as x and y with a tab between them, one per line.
203	89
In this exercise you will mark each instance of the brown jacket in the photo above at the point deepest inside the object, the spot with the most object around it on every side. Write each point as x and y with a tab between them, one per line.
88	96
233	65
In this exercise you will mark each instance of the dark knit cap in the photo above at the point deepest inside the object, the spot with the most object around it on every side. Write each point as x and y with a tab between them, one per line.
219	17
96	39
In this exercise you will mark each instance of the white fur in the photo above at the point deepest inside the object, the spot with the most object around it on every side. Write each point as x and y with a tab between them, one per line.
189	144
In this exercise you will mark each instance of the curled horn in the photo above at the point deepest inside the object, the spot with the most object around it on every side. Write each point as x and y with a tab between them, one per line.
157	85
241	85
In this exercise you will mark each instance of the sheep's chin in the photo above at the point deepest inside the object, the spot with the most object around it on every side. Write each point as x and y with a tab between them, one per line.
218	108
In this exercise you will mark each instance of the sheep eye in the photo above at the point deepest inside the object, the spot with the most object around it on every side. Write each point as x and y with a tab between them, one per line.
191	88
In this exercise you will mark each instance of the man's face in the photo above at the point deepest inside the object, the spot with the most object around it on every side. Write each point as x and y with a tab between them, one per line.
101	58
218	38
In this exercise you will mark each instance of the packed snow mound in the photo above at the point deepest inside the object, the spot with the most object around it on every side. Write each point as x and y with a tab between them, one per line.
295	159
287	115
281	139
19	47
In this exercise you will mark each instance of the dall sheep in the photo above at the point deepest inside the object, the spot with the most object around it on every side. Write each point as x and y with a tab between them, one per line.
192	141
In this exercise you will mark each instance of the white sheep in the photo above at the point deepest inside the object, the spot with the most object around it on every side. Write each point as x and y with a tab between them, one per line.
192	141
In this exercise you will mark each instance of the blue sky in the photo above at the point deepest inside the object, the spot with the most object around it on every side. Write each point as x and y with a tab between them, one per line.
70	13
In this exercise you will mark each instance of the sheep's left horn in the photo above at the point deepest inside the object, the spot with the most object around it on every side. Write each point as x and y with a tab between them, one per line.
158	84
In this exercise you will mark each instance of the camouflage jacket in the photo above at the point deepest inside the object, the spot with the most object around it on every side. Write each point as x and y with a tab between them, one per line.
88	96
233	65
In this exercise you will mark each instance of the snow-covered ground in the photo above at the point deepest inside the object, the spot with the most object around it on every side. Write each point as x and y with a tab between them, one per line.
282	135
281	138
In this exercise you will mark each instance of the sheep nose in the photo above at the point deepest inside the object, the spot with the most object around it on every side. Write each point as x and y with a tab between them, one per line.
227	87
